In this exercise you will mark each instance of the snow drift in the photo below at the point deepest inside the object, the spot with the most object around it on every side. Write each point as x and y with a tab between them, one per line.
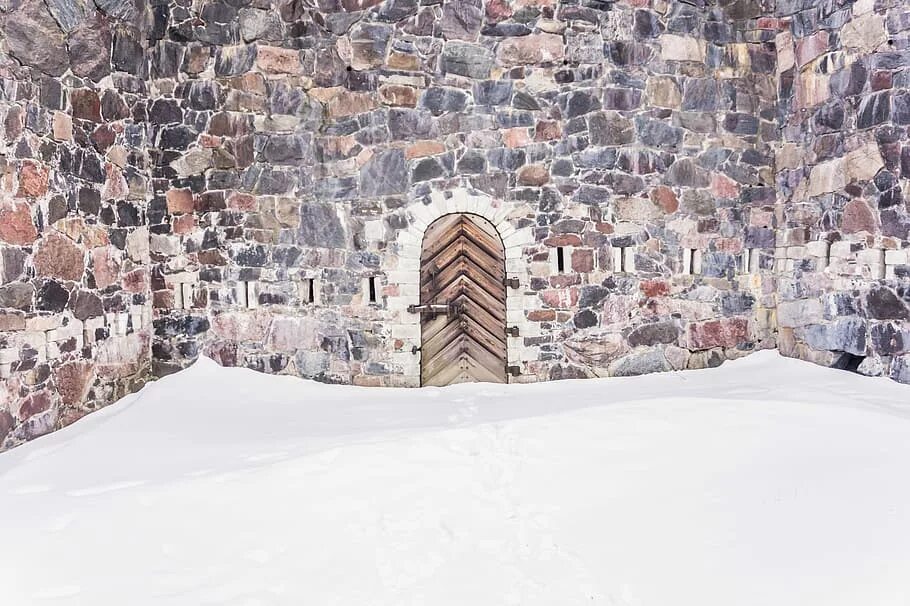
765	481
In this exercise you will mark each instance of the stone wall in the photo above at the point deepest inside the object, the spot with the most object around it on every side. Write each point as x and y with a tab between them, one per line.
229	178
296	146
844	184
74	283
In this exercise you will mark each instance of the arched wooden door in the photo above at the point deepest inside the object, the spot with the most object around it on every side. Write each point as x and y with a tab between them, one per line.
463	302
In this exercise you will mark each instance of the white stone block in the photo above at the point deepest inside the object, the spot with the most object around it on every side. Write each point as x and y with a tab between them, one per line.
403	277
841	250
796	252
515	262
374	230
818	249
897	257
405	331
515	316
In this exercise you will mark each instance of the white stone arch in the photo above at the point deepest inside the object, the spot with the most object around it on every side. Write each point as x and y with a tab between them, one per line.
406	276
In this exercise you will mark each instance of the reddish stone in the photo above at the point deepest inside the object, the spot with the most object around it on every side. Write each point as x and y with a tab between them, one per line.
497	10
73	381
583	260
34	403
242	202
86	104
422	149
560	298
56	256
563	240
32	180
184	224
516	137
211	257
403	61
728	332
16	225
770	23
14	123
564	280
398	95
665	198
547	130
810	47
10	321
136	281
534	175
349	103
292	334
529	50
105	267
604	228
163	299
730	245
115	186
541	315
242	326
103	137
210	141
723	186
858	217
179	201
654	288
278	60
881	80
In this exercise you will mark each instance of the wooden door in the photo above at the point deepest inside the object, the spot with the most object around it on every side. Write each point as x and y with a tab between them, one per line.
463	302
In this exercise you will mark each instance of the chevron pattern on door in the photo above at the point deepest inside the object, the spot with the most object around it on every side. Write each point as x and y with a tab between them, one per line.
462	265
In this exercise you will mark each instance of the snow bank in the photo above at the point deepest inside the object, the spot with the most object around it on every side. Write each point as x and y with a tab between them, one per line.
765	481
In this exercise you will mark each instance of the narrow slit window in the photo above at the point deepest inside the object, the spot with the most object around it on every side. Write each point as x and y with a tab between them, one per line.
252	295
828	256
186	295
240	295
309	290
371	285
692	261
560	259
750	261
623	259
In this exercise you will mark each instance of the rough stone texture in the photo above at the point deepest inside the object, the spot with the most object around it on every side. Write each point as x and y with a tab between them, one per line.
75	330
842	175
721	177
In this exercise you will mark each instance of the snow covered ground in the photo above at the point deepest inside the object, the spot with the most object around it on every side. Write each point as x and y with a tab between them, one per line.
767	481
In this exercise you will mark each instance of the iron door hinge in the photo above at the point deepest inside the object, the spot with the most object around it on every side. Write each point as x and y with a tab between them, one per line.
514	370
512	331
512	282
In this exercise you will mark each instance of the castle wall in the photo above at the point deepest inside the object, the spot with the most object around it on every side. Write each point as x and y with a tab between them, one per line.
225	179
843	188
75	323
294	144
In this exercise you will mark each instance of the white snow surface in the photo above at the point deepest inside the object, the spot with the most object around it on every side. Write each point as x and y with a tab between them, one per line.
766	481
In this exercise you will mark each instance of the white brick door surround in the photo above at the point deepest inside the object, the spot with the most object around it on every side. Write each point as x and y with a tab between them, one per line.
406	276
